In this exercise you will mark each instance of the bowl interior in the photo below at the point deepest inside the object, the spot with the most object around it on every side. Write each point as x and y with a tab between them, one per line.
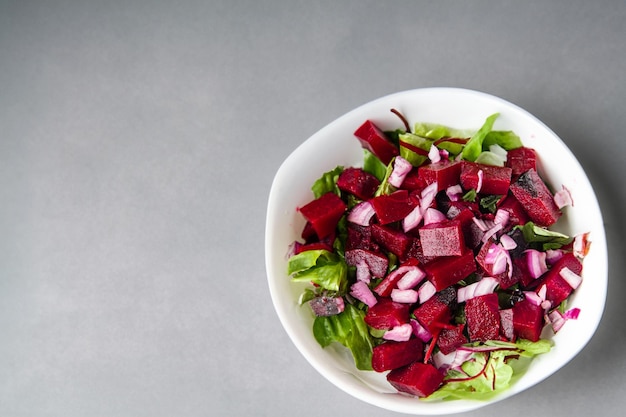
335	145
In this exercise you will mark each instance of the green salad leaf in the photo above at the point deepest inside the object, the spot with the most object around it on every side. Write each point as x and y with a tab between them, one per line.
507	139
414	148
321	267
474	146
373	165
349	329
327	183
542	238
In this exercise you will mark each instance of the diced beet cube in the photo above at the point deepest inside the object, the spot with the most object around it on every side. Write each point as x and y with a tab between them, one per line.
324	213
450	340
442	239
537	200
482	315
374	140
360	237
525	279
433	313
391	355
413	181
528	320
358	182
386	314
446	271
517	214
312	246
392	207
521	160
445	173
495	180
415	252
417	379
392	240
376	261
557	288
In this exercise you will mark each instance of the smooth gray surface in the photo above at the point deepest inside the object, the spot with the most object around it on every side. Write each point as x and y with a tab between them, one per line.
138	143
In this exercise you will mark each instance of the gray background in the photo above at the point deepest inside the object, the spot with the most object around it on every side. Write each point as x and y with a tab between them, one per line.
138	143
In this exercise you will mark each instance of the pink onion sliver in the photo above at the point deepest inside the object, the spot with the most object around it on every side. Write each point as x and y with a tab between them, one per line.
401	167
428	195
411	278
413	219
400	333
433	154
533	297
563	198
404	296
480	180
553	255
432	215
420	331
572	278
556	320
502	216
362	292
536	262
507	242
454	192
361	214
363	272
572	313
425	291
485	286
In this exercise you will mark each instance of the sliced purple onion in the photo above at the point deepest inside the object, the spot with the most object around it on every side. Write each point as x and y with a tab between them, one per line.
433	154
573	279
485	286
492	231
404	296
536	262
420	331
454	192
428	195
413	276
506	322
400	333
563	198
401	167
425	291
572	313
361	291
507	242
553	255
480	180
413	219
533	297
502	217
361	214
556	320
432	215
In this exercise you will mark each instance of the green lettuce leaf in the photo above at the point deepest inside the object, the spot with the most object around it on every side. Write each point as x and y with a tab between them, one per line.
507	139
414	141
373	165
474	146
542	238
321	267
349	329
327	183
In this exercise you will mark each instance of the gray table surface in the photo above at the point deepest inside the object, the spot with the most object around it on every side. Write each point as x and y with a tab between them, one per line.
138	143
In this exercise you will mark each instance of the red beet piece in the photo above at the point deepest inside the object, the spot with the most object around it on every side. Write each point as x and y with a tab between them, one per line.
482	315
417	379
392	207
415	252
442	239
392	240
451	339
517	214
557	289
413	181
374	140
445	173
376	261
324	213
446	271
521	160
358	182
433	313
386	314
391	355
360	237
537	200
527	320
496	180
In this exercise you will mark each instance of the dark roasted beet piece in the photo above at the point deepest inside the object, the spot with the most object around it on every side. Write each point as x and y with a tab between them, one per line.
357	182
537	200
373	139
417	379
451	339
391	355
360	237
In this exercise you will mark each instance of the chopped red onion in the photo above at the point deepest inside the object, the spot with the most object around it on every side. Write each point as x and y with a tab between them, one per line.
502	216
533	297
572	278
556	320
536	262
404	296
485	286
428	195
401	167
454	192
433	154
362	213
506	323
499	258
362	292
563	198
553	255
572	313
413	276
420	331
492	231
507	242
413	219
432	215
480	180
400	333
581	245
481	224
425	291
363	271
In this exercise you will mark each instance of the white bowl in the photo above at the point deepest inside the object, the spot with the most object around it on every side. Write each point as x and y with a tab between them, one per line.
335	145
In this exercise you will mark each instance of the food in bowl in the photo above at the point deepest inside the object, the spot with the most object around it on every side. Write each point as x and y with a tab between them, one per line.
432	261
